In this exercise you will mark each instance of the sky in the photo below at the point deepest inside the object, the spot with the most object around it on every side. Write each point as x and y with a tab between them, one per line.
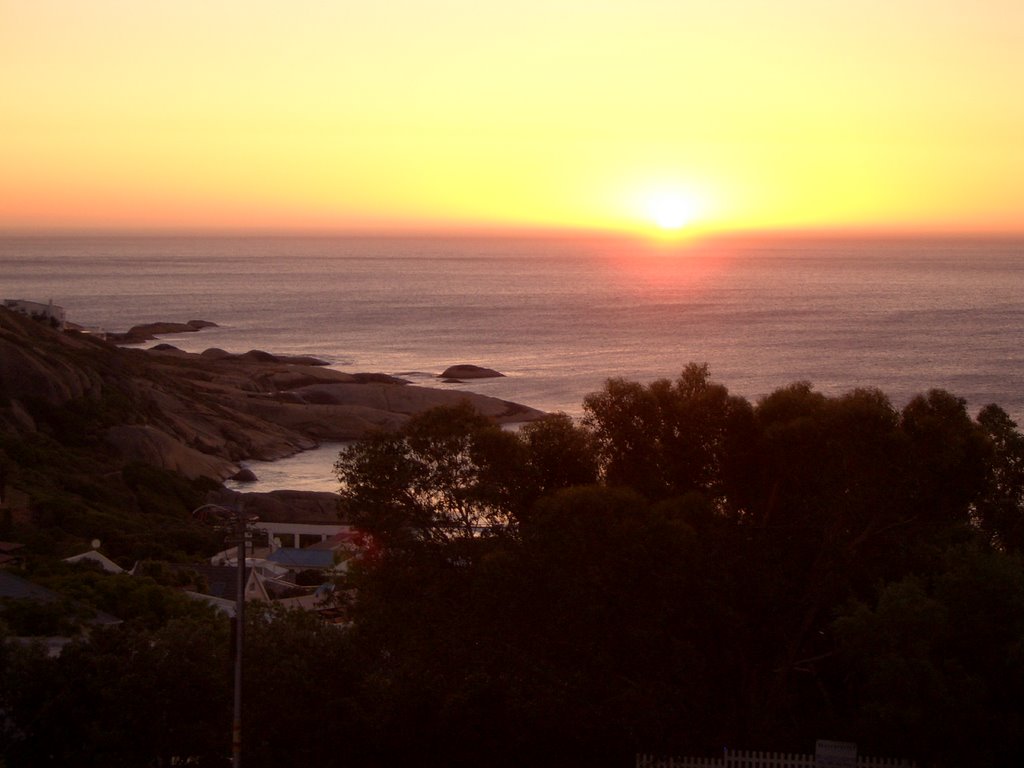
403	115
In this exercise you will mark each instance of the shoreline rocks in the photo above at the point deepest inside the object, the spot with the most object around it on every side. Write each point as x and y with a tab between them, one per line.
139	334
201	414
465	371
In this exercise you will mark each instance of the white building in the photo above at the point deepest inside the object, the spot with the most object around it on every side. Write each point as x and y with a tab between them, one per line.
37	309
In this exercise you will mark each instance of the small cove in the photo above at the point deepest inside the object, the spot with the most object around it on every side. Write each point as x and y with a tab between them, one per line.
311	470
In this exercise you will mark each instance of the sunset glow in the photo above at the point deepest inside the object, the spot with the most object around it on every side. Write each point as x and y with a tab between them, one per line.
671	211
402	115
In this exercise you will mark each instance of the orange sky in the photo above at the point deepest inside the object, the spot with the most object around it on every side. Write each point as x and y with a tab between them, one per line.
399	115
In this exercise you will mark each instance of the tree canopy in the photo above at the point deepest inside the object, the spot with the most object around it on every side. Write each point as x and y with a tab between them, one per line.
679	570
684	569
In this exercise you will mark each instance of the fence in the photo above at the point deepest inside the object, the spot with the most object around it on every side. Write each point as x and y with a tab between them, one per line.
745	759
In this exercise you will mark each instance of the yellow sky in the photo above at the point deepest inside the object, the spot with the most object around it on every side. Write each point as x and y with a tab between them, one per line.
396	114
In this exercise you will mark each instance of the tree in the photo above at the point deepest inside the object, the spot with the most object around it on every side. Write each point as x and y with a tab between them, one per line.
559	454
688	598
672	438
448	473
948	457
618	607
1000	510
932	663
121	697
301	701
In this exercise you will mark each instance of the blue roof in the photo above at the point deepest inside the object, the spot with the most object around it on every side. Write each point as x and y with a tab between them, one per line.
303	558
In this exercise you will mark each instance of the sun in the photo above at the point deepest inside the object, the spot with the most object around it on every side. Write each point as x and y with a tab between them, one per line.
665	208
670	212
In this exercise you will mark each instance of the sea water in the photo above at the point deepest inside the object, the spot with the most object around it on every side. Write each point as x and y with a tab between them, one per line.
559	315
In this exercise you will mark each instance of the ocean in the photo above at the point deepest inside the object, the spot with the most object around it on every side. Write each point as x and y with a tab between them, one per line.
559	315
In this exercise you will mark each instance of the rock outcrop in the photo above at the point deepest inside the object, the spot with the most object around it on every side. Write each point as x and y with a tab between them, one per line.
245	475
201	414
465	371
405	400
151	445
139	334
25	374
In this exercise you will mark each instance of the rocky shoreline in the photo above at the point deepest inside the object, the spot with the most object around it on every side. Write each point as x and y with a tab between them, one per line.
200	414
139	334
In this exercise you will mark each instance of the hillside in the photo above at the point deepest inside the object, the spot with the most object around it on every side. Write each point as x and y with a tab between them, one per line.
87	429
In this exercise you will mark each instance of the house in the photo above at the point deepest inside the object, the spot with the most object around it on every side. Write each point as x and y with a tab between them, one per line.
221	582
282	573
279	532
321	601
94	556
34	309
295	560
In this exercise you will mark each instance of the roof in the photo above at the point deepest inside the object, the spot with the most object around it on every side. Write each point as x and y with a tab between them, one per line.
93	556
303	558
223	605
222	580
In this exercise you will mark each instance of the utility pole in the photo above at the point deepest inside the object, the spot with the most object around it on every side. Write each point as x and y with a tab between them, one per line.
237	524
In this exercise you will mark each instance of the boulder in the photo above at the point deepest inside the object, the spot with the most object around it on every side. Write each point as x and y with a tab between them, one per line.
167	349
469	372
213	353
150	445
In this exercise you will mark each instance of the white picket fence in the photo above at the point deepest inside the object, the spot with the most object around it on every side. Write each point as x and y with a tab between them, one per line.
745	759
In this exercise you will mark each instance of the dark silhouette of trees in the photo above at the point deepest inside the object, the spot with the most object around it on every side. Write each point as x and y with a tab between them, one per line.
122	697
1000	509
689	598
683	570
450	473
671	438
932	662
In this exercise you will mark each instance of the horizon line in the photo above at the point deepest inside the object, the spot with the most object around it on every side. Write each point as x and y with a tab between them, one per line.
509	231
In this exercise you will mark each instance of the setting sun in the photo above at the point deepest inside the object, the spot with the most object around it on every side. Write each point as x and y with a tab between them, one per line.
671	211
310	115
671	208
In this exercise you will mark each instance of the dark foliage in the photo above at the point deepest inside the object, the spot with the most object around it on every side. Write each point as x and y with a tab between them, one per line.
684	570
715	588
79	493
